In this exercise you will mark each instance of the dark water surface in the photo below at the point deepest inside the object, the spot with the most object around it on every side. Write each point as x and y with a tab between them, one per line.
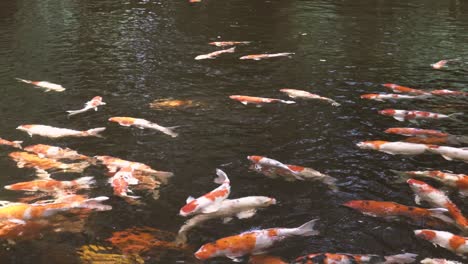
133	52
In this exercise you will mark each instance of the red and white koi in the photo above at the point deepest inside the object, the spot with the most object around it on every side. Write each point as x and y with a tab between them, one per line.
244	99
447	240
402	115
266	56
457	181
121	180
418	132
15	144
142	124
92	104
449	92
51	185
55	132
403	89
344	258
436	198
214	54
293	93
450	153
46	85
210	202
228	43
402	148
52	152
383	97
252	242
438	261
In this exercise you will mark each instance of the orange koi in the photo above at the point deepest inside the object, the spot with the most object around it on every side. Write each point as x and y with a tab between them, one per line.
15	144
418	132
28	160
265	259
51	185
403	89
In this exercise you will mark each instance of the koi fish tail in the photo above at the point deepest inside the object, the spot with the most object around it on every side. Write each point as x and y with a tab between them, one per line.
170	131
231	50
335	103
331	182
163	176
75	112
23	80
307	229
401	258
439	213
17	144
402	176
222	177
96	204
85	182
454	116
76	167
460	139
95	132
287	102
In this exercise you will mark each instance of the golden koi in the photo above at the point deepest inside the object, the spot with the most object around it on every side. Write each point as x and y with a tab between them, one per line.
51	185
28	160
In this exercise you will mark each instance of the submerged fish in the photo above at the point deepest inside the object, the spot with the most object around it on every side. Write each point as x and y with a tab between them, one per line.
457	181
402	115
28	160
344	258
43	84
383	97
142	124
293	93
403	89
228	43
439	65
244	99
450	153
55	132
210	202
454	243
448	92
52	152
271	163
253	242
15	144
438	261
265	56
92	104
418	132
402	148
214	54
51	185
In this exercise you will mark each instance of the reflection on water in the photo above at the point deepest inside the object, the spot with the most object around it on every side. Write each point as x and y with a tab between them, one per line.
137	53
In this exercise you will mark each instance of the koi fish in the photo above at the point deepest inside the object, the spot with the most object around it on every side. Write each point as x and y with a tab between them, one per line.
401	148
253	242
142	124
293	93
214	54
448	92
28	160
403	89
169	103
51	185
114	164
344	258
451	140
418	132
402	115
450	153
271	163
228	43
265	259
46	85
383	97
211	201
244	99
265	56
121	180
436	198
241	208
447	240
15	144
55	132
438	261
92	104
439	65
52	152
389	210
457	181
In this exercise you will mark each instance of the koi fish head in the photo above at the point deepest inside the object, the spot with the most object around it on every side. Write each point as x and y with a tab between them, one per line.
287	90
236	97
387	112
25	127
369	96
390	85
254	159
207	251
122	120
97	100
371	144
425	234
356	204
20	186
418	186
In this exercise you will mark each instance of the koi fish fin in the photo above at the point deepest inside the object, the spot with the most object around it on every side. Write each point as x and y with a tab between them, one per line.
95	132
447	157
95	203
85	182
163	176
399	118
227	220
5	203
170	131
287	102
43	174
17	144
234	258
23	80
20	164
401	258
75	112
246	214
439	214
48	90
189	199
244	102
307	229
334	103
222	177
417	199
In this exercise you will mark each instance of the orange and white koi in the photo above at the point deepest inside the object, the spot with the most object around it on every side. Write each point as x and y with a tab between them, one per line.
52	152
210	202
438	261
266	56
214	54
403	89
447	240
51	185
121	180
252	242
293	93
265	259
450	153
344	258
402	115
389	210
402	148
46	85
28	160
457	181
436	198
15	144
448	92
142	124
383	97
271	163
92	104
228	43
418	132
440	64
244	99
55	132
